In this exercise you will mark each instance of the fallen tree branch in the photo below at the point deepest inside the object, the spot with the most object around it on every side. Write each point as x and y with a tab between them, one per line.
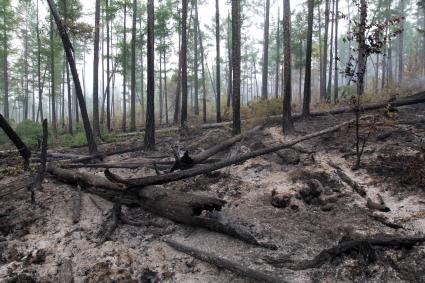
190	209
13	136
385	221
225	263
175	176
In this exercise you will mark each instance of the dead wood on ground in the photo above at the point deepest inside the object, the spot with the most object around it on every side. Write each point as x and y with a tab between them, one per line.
221	262
364	246
190	209
175	176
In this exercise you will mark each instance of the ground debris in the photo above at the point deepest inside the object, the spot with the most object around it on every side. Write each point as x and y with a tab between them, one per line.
407	170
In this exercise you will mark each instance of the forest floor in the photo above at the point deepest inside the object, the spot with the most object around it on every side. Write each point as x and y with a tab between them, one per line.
36	241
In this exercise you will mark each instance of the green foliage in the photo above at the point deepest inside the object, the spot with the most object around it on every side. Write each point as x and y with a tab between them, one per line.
68	140
29	132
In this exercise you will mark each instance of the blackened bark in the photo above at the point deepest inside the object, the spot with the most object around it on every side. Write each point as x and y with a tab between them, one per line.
287	123
133	70
183	119
20	145
96	126
264	82
217	61
236	47
79	92
150	109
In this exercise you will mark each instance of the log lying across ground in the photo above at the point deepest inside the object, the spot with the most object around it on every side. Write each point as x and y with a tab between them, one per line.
13	136
411	100
175	176
190	209
221	262
199	158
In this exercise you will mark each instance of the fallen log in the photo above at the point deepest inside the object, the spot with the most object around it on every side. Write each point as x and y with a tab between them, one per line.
364	245
185	208
106	154
175	176
161	165
411	100
13	136
223	263
198	158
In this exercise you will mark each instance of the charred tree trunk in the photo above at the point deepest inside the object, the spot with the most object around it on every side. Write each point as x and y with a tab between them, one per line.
264	82
307	77
150	109
96	126
133	70
217	61
20	145
287	123
79	92
236	62
183	120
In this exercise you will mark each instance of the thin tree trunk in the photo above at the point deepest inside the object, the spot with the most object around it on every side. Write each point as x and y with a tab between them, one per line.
124	73
329	86
217	43
96	126
195	61
108	94
40	94
204	88
401	44
325	52
236	61
142	77
150	110
319	15
336	54
362	48
276	90
287	123
5	64
133	70
26	76
161	99
184	64
229	51
264	81
178	88
52	66
71	62
165	90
